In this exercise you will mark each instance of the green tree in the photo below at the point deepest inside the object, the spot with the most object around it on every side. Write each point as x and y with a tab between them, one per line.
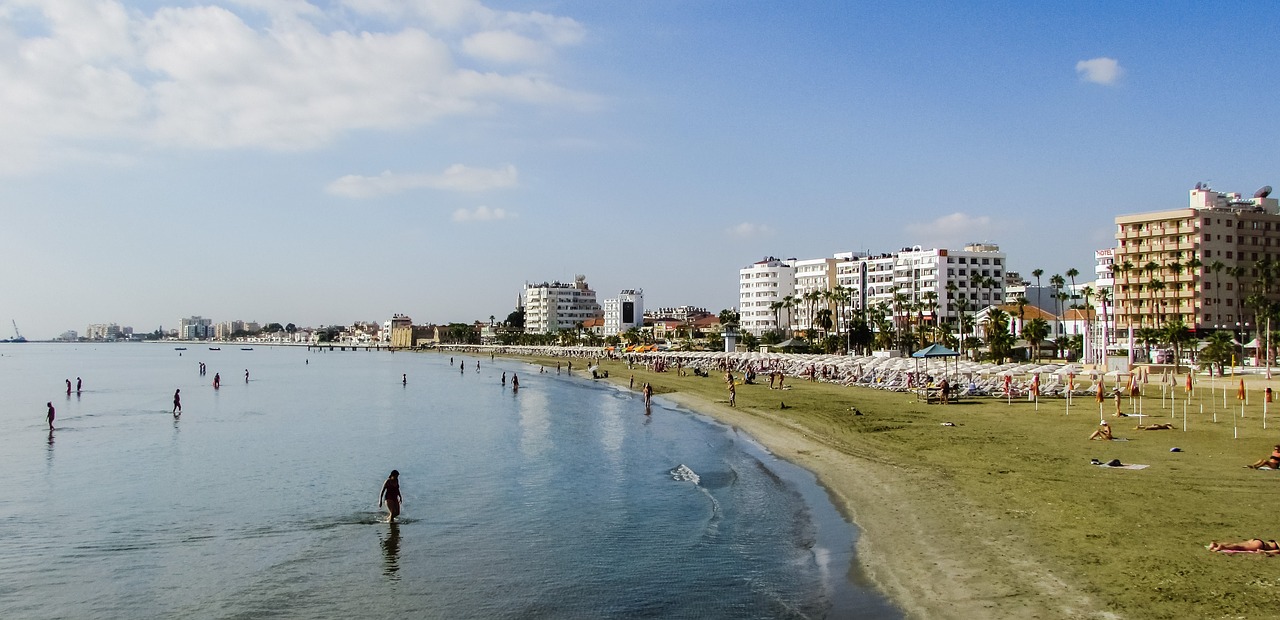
1175	333
1034	332
999	339
1218	350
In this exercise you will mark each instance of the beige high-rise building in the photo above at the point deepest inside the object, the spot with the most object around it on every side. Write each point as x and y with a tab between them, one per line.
1196	264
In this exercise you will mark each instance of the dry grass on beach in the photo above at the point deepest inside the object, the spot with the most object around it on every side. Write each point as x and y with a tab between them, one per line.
1002	515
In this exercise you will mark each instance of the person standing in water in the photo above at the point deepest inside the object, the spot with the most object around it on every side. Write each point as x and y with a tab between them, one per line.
68	387
78	385
391	495
246	375
177	402
504	377
404	378
49	415
217	380
515	382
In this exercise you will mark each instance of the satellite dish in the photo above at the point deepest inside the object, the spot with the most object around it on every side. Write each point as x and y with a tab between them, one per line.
1263	193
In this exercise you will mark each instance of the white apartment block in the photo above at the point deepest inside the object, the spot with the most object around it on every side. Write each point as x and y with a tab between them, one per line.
977	274
760	285
623	312
195	328
554	306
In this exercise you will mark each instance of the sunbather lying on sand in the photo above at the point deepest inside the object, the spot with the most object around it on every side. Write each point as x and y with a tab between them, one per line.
1272	461
1253	545
1154	427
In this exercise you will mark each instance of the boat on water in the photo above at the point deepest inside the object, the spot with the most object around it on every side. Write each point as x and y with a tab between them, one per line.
215	348
246	348
179	348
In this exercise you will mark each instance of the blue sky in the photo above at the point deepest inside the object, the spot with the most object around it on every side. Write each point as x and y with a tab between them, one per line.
328	162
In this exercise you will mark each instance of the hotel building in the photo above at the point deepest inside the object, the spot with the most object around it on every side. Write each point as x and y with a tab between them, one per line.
624	312
1197	264
554	306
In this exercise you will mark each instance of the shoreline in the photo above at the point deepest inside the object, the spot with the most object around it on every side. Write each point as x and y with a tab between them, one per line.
965	570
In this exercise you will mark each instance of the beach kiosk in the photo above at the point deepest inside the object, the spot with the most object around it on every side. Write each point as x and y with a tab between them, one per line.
929	391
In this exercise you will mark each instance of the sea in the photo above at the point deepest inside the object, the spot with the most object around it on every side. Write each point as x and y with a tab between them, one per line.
561	499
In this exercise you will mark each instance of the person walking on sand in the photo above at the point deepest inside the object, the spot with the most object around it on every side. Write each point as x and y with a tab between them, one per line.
177	402
49	416
733	395
391	495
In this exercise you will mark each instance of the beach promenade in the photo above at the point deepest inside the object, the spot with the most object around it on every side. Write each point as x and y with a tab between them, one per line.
992	509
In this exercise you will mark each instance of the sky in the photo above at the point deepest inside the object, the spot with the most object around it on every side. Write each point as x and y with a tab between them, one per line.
326	162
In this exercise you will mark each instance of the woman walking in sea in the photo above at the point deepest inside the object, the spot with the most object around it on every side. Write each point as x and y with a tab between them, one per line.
391	495
177	402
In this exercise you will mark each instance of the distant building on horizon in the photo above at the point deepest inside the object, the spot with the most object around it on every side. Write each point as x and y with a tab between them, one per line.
195	328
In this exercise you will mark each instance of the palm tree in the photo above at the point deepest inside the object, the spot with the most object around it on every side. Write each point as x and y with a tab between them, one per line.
900	305
1264	307
1087	295
1218	351
999	340
1157	288
1175	333
777	307
1037	273
930	304
1057	282
1072	273
1035	331
1148	336
791	303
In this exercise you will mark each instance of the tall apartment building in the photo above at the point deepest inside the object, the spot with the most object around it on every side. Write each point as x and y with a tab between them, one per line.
103	331
760	284
1166	263
921	276
623	312
195	328
554	306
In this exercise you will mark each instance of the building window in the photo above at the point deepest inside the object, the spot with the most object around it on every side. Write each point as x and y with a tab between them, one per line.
1228	253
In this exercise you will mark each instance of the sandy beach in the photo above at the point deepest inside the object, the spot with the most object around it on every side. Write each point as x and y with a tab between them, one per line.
934	553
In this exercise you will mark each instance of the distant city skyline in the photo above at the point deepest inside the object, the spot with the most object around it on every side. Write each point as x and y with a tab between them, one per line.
331	162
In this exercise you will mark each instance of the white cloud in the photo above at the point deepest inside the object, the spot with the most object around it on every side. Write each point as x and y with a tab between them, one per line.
1100	70
954	231
455	178
482	214
95	75
505	47
747	230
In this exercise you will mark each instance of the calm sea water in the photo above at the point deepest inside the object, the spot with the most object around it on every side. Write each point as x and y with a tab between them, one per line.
553	502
